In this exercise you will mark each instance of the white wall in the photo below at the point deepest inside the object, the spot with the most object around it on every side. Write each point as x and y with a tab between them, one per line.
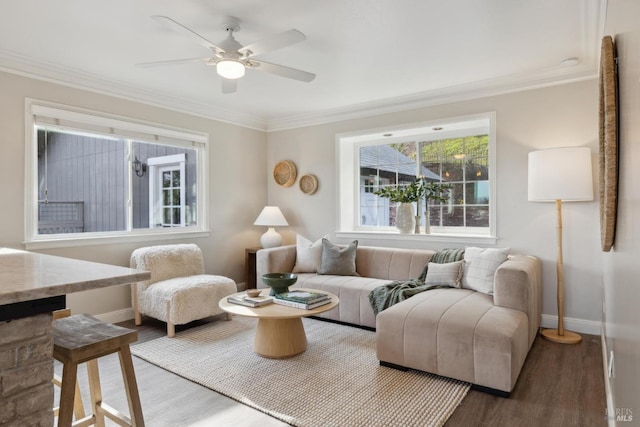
621	284
237	188
564	115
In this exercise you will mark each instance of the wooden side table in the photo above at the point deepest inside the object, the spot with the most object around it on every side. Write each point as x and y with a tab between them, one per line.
250	266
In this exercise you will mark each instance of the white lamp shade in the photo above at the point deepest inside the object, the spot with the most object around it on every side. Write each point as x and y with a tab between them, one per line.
230	68
271	216
560	174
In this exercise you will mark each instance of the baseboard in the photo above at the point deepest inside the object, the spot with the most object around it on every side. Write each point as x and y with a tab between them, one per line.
582	326
607	385
116	316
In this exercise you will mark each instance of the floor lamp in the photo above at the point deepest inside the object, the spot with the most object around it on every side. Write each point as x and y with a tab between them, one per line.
560	174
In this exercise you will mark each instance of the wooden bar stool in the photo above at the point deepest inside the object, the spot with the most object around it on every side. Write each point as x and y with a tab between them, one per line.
83	338
78	407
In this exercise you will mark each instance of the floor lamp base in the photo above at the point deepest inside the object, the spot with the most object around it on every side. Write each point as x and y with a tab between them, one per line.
567	338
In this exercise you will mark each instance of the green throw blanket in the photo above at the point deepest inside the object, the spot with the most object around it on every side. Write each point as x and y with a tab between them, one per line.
385	296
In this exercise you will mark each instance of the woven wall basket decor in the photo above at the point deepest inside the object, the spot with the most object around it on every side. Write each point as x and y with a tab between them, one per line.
608	157
285	173
309	184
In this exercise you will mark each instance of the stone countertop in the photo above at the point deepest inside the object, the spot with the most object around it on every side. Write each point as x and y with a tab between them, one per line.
27	276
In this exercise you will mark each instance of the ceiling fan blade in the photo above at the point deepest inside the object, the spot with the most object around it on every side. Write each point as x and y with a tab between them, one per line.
274	42
282	71
173	62
175	25
229	85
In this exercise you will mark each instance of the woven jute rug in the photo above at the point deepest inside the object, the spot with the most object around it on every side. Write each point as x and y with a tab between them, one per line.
336	382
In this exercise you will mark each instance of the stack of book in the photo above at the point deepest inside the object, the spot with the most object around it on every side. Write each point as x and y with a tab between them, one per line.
250	301
302	299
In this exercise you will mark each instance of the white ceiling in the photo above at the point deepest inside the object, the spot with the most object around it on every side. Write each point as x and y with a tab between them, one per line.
368	55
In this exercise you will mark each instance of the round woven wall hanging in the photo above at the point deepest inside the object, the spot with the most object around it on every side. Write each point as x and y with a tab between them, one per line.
608	157
285	173
308	184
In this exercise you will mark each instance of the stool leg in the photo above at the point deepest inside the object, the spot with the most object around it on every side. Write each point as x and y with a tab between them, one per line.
78	407
134	301
96	391
67	393
131	386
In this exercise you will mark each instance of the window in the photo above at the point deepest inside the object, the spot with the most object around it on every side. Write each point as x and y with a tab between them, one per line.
456	152
167	192
91	176
462	163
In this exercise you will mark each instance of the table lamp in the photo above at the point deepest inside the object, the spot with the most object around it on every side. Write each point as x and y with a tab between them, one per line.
560	174
271	216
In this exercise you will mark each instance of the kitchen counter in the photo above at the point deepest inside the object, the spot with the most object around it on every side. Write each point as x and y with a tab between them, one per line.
26	276
33	285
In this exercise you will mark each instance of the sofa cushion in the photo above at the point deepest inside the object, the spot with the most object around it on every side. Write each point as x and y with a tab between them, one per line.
184	299
457	333
449	274
338	260
391	263
480	265
308	255
353	292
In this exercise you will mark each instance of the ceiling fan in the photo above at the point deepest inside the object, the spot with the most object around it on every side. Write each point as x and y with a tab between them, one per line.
231	58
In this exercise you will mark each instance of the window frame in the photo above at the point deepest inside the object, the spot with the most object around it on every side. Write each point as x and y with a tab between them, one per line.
348	179
108	125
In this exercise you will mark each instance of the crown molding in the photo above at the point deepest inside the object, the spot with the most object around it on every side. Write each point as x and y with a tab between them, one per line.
13	63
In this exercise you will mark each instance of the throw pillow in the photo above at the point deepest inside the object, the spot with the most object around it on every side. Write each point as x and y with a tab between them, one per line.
449	274
308	255
480	265
337	260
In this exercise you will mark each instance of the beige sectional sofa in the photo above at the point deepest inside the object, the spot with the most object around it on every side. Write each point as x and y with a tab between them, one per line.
458	333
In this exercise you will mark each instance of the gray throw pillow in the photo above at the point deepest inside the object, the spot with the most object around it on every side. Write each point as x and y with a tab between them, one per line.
449	274
338	261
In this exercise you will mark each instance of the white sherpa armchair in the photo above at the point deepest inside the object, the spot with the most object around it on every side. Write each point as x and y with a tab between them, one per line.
178	292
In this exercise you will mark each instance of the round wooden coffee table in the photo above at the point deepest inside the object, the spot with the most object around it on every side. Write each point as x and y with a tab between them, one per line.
280	332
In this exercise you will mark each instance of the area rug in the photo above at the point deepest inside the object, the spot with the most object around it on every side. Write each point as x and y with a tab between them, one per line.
336	382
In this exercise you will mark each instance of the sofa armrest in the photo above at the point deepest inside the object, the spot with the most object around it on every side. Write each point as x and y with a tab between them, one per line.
518	286
274	260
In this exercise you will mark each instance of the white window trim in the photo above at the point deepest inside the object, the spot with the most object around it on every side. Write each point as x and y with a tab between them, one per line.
348	186
104	123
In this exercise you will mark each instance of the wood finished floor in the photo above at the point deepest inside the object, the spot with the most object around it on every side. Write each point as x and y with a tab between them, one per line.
560	385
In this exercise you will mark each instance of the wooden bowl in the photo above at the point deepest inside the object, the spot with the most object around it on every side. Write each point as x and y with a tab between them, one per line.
253	292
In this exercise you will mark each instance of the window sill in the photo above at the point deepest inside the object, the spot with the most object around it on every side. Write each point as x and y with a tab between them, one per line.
396	236
94	239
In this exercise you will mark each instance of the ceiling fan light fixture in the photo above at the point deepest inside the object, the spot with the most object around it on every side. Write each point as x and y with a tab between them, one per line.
230	68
